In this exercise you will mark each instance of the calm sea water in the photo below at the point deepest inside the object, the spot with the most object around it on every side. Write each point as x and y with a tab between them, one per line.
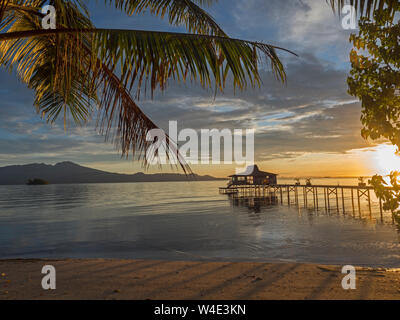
182	221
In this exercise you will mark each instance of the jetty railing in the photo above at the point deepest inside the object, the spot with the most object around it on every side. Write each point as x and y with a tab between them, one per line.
340	198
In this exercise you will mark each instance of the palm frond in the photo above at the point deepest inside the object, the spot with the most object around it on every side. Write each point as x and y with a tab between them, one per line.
77	66
3	7
179	12
45	64
117	109
51	66
158	56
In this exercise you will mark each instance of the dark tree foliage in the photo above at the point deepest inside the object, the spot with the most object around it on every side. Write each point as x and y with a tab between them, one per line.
375	80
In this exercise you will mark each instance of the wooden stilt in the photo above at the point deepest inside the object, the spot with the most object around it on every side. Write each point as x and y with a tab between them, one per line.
329	205
313	189
271	193
344	210
369	204
337	200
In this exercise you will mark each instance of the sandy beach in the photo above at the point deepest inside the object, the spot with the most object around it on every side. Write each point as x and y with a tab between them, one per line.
151	279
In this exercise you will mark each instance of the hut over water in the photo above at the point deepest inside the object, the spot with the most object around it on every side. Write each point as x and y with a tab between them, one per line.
253	176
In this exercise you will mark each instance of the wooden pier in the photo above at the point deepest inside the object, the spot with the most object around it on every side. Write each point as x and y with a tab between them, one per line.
354	200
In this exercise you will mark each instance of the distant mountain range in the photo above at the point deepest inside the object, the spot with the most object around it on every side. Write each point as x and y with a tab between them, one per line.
69	172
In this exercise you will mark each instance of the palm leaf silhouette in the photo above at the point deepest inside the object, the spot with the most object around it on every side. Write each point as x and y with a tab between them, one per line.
76	68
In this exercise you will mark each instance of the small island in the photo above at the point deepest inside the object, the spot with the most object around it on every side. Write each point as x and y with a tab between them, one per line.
37	182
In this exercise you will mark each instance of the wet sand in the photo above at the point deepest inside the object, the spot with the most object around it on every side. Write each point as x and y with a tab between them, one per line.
150	279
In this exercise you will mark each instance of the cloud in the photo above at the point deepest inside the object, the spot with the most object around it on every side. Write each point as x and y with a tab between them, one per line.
302	25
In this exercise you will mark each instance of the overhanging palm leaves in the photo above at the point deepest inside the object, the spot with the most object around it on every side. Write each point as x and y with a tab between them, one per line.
179	12
75	66
162	55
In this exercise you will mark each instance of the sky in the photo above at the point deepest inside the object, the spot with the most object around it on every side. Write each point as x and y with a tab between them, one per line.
309	126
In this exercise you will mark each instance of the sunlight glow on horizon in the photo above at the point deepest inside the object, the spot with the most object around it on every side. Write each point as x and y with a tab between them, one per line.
386	159
380	159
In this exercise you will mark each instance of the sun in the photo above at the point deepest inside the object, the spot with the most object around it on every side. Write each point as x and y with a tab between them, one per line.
386	159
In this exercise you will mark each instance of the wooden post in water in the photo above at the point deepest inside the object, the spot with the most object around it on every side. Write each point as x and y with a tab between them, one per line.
313	194
270	192
329	205
337	200
344	211
369	204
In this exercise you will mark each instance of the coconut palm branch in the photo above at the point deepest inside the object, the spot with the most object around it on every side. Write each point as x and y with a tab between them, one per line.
179	12
132	123
77	66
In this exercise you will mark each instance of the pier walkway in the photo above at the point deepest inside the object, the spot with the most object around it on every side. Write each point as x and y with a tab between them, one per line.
355	200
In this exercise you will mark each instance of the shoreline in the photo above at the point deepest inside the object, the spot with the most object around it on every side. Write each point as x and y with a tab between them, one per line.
119	279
